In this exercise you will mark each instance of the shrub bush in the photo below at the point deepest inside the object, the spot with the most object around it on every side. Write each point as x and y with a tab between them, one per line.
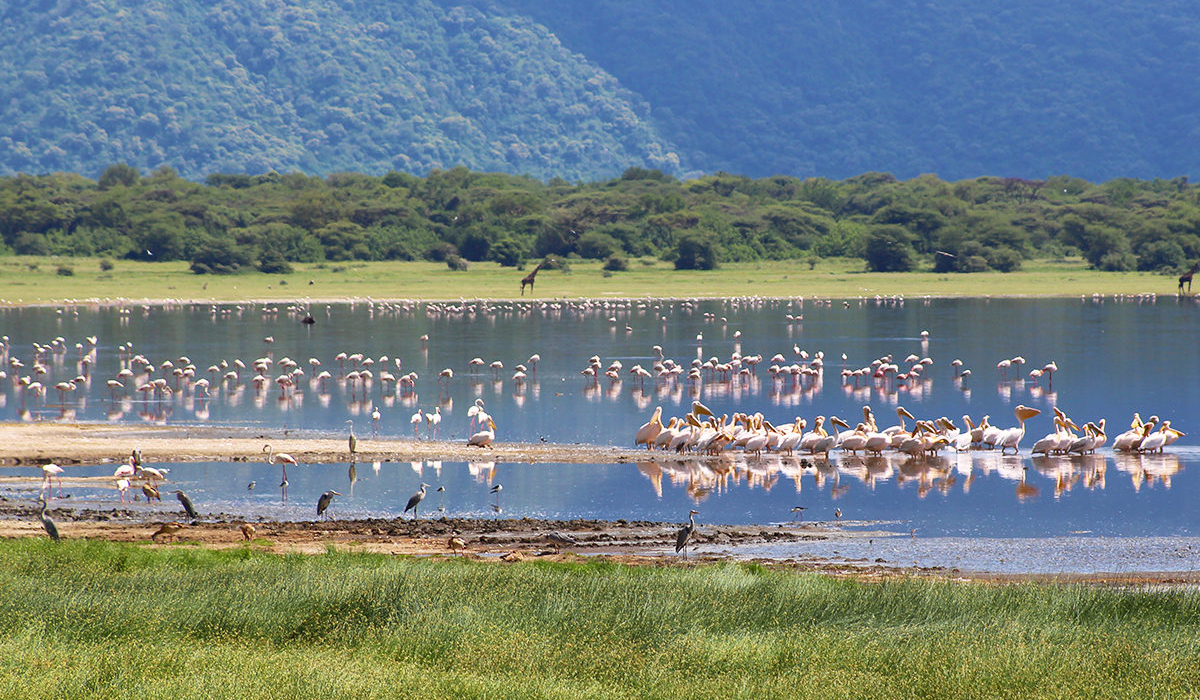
616	263
456	263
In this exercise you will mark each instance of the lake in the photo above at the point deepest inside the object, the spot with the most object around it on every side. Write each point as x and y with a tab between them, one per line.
1115	357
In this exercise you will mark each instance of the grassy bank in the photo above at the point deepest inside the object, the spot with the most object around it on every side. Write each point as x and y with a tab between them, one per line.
100	620
25	280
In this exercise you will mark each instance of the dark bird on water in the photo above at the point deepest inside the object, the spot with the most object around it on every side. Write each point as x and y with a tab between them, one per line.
415	500
685	533
250	486
51	528
324	501
798	511
187	504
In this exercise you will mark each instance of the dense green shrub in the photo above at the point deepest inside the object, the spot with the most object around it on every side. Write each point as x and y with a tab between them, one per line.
696	251
889	249
220	257
616	263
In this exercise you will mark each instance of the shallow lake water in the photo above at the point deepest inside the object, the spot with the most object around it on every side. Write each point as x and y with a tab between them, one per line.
1115	357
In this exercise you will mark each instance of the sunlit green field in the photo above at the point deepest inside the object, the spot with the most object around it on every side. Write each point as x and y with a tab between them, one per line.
26	280
103	620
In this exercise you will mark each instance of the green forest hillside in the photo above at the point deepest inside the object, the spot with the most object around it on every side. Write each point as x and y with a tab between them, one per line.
310	85
1097	89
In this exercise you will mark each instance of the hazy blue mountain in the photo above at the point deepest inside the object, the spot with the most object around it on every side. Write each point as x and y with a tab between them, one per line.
1095	88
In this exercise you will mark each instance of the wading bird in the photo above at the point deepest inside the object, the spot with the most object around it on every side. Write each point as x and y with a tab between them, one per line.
324	501
685	533
52	471
51	528
415	500
352	441
187	504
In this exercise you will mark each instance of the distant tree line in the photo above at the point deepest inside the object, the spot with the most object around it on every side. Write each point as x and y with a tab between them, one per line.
236	222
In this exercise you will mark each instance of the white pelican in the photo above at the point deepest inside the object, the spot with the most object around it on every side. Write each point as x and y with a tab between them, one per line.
1050	443
666	435
485	437
1012	436
1171	433
792	439
854	441
1153	440
827	443
809	439
650	430
1129	440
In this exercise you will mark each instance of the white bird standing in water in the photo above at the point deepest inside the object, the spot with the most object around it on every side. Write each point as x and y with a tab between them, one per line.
485	437
417	419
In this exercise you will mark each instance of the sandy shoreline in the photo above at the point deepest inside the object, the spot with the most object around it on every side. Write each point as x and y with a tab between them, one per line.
84	443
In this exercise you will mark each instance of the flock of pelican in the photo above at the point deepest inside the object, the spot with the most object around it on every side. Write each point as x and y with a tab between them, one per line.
700	431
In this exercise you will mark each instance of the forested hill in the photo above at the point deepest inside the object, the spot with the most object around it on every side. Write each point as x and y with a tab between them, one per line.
1097	89
315	85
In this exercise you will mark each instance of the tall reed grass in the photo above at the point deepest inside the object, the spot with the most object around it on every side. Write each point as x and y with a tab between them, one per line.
106	620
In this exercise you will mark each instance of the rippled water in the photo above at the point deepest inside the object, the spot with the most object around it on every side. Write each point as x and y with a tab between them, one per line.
1114	358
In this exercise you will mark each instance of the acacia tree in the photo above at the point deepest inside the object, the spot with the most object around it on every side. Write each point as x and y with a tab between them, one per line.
889	249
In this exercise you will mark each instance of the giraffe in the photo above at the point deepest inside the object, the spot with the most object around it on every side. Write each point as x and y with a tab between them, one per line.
528	279
1184	278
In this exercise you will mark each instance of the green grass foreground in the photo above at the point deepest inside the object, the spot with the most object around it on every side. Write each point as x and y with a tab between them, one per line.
30	280
105	620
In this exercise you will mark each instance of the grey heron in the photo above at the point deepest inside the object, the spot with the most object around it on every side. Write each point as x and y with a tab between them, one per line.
416	499
324	501
685	533
51	528
187	504
352	440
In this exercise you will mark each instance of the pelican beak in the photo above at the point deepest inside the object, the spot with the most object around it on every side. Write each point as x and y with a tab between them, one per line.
768	425
904	412
491	424
691	419
700	409
1025	413
839	422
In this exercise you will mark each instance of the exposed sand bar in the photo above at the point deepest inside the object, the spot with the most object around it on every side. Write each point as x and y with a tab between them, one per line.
83	443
